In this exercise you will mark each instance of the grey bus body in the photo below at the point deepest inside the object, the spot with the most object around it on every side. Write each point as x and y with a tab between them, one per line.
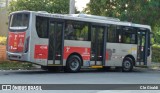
108	41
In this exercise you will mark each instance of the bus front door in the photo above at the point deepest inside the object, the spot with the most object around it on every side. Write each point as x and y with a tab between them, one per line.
98	46
142	47
55	48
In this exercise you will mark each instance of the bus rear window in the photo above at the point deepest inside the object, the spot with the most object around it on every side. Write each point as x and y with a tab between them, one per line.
19	21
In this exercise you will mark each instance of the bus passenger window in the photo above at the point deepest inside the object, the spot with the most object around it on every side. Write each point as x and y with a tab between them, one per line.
69	32
129	36
133	38
111	35
126	37
42	26
118	35
76	31
119	38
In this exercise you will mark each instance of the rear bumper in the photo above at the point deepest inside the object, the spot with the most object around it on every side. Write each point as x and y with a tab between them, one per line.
17	56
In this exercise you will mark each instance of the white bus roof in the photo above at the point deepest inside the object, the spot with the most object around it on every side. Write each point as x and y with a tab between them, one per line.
87	18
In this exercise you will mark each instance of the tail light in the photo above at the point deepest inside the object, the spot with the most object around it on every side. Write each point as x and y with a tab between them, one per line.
27	44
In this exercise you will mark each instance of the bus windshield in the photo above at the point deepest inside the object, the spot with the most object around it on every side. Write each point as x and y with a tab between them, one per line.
19	21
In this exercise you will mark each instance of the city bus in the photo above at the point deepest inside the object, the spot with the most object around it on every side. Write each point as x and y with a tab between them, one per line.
75	41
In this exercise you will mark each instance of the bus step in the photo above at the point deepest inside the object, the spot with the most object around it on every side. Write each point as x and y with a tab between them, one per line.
96	66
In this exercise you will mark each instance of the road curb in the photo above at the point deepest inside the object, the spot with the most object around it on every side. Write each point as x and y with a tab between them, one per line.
155	66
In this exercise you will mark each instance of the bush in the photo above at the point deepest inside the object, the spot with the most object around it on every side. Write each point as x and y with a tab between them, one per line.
3	40
7	65
156	53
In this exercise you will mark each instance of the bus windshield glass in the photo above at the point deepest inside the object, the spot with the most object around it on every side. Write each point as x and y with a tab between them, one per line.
19	21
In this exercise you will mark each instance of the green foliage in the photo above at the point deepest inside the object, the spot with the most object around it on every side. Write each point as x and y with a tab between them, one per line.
136	11
7	65
156	34
156	53
51	6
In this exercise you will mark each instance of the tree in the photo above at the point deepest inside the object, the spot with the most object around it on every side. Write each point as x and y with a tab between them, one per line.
136	11
51	6
139	11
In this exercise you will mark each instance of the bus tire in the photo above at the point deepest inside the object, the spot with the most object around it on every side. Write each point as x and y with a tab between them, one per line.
73	64
127	65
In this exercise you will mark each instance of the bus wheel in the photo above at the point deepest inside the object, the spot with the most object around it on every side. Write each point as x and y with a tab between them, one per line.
73	64
127	65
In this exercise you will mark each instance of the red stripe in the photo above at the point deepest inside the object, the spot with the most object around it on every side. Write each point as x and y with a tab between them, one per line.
83	51
41	52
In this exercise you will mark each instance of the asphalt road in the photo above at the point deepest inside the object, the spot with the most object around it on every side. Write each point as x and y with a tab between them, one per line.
139	76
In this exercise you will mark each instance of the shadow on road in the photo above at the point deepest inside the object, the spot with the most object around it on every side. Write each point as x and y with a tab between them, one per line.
39	71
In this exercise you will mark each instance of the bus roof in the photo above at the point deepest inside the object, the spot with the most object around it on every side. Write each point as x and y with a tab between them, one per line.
87	18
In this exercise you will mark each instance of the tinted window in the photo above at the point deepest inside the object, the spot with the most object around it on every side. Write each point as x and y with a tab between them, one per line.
19	21
42	27
76	31
111	35
128	35
121	34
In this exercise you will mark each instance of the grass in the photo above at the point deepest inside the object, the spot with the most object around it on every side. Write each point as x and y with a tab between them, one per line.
13	65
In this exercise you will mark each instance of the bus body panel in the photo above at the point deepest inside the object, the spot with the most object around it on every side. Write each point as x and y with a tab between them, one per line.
16	49
117	52
80	47
38	56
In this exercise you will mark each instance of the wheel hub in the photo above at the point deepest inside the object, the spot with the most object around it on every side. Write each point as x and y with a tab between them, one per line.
74	64
127	64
